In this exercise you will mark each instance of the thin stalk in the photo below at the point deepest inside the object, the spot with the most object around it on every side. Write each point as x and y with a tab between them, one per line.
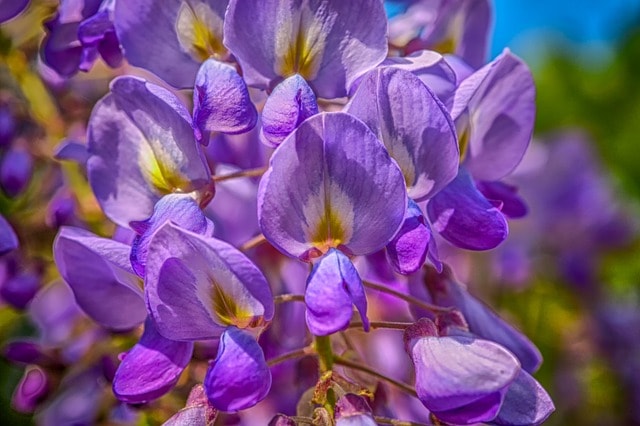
240	174
253	242
409	299
382	324
325	353
298	353
284	298
355	366
395	422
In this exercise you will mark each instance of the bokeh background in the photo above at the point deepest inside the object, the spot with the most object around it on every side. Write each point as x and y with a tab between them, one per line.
568	276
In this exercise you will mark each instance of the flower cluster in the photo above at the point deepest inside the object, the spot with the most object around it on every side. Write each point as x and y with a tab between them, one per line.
315	150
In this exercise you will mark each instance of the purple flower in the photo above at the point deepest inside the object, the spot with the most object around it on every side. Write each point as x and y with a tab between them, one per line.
328	43
11	8
8	237
16	171
31	389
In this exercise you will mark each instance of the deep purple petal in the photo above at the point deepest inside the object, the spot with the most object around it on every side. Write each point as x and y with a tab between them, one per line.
170	28
462	215
221	101
31	389
525	404
102	281
414	126
407	251
72	151
11	8
348	193
197	286
462	380
494	110
16	170
239	377
328	43
513	205
142	147
333	287
151	368
289	104
61	50
20	289
8	237
182	210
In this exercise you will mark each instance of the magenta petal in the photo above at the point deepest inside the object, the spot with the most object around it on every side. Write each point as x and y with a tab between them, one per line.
333	287
101	278
329	43
180	209
462	215
346	194
414	126
496	106
8	237
197	286
239	377
151	368
290	103
462	380
221	101
408	249
525	404
31	389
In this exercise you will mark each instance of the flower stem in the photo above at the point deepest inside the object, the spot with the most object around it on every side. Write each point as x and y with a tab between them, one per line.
325	353
355	366
283	298
382	324
409	299
241	173
395	422
253	242
299	353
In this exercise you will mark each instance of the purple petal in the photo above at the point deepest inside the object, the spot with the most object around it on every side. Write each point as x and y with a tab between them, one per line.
197	286
31	389
61	49
54	312
353	410
101	279
413	125
462	215
15	171
171	32
11	8
407	251
142	147
289	104
495	108
239	377
20	289
525	404
197	412
462	380
328	43
72	151
8	237
513	206
221	101
333	287
182	210
151	368
346	195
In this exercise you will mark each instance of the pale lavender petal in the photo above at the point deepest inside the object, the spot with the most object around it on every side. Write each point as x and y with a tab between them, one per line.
333	287
328	43
414	126
348	194
8	237
197	286
151	368
525	404
288	105
407	251
54	312
182	210
494	111
462	215
221	101
239	377
105	289
462	380
142	147
171	32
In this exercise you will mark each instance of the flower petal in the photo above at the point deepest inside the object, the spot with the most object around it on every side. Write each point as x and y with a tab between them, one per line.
197	286
333	287
151	368
98	272
525	404
462	215
407	251
513	206
11	8
142	147
8	237
328	43
348	193
290	103
221	101
414	126
239	377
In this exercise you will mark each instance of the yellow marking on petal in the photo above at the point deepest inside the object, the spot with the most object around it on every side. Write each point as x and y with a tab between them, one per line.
446	45
463	142
160	172
329	232
228	312
199	31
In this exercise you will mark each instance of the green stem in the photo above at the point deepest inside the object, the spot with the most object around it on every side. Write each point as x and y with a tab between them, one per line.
409	299
355	366
325	353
